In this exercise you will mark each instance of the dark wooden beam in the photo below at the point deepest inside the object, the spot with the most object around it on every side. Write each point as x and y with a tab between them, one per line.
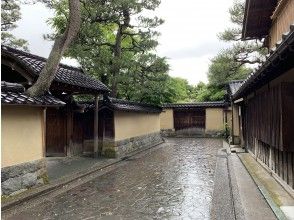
96	111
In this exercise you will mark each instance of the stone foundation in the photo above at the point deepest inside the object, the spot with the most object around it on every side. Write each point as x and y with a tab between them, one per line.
18	178
190	132
214	133
168	132
123	147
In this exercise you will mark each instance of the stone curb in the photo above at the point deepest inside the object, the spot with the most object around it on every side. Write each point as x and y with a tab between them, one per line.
26	196
238	207
222	205
275	208
236	198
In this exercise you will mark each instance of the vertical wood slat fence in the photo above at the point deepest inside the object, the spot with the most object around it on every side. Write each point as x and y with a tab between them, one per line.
266	133
279	162
184	119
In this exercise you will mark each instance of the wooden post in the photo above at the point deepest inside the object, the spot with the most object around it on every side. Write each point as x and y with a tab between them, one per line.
69	131
232	128
96	150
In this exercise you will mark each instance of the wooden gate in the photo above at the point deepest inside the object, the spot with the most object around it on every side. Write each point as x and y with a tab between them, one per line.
55	132
192	118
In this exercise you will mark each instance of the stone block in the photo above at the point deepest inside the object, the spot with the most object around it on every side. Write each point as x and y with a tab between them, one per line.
11	185
20	177
29	180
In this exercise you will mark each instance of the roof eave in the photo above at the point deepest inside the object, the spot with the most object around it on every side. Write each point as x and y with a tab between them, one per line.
260	73
33	105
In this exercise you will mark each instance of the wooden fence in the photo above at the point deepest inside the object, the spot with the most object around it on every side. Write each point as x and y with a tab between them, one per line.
267	133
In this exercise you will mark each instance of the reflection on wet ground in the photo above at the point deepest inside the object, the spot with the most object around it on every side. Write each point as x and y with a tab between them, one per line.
173	181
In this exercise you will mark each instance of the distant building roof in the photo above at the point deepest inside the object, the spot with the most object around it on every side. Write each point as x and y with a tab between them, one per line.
257	18
195	105
13	94
278	62
65	74
234	85
124	105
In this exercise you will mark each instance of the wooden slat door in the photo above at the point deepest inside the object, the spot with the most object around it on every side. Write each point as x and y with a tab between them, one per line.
55	132
194	118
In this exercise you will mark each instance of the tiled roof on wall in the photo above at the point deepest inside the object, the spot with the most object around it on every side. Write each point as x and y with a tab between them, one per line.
124	105
13	94
195	105
65	74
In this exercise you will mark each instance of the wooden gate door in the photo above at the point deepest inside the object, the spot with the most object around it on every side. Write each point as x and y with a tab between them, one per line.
55	133
190	118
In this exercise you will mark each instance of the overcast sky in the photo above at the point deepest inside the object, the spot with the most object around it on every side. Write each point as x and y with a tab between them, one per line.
188	36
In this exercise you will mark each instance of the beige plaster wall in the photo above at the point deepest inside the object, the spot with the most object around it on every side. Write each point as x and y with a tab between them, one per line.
167	119
229	118
236	131
214	119
22	134
131	124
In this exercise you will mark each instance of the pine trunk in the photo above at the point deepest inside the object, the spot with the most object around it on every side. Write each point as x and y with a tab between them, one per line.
61	43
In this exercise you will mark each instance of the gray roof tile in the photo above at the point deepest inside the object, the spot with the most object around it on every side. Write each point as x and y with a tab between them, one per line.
13	94
65	74
195	104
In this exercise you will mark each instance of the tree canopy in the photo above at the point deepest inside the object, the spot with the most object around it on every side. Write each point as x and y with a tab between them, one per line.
10	14
116	45
234	62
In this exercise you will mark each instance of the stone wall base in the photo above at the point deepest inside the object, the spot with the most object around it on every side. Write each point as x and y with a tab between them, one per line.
190	132
18	178
168	132
123	147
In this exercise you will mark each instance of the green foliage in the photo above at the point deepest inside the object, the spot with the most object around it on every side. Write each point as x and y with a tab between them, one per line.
224	68
232	63
10	14
147	83
244	52
179	90
209	93
116	44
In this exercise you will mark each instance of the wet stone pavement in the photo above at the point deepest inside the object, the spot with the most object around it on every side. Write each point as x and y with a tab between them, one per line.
171	181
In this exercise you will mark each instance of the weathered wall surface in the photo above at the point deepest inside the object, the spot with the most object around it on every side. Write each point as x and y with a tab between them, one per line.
22	135
236	131
167	119
23	165
131	124
282	19
268	145
18	178
214	121
286	77
229	117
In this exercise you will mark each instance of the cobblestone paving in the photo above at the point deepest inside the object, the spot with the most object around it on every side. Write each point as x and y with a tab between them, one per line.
172	181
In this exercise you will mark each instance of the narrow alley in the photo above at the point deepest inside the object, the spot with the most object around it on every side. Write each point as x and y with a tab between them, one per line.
171	181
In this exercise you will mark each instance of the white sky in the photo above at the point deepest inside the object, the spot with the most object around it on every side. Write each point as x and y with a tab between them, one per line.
188	36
